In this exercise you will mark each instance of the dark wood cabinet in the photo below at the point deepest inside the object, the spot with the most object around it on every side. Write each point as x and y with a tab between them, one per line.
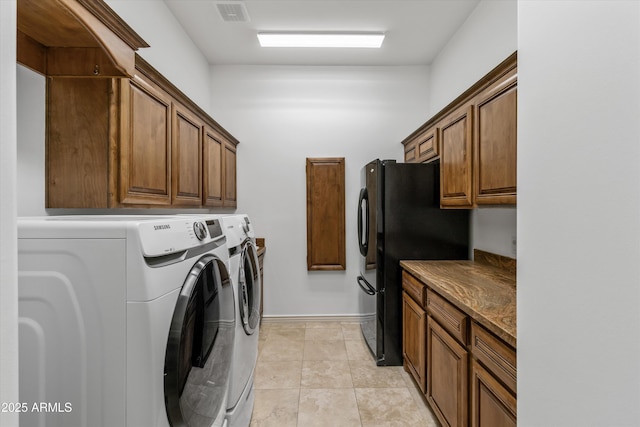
414	345
495	142
137	142
475	137
423	147
145	143
447	376
186	174
492	405
219	170
456	159
467	373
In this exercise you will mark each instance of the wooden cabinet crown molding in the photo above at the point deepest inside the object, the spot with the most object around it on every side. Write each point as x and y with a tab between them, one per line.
79	38
146	69
502	69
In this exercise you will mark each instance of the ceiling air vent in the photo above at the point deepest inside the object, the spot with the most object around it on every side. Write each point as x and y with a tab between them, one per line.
233	11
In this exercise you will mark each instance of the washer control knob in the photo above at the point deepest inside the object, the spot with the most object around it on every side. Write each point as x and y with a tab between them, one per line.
200	230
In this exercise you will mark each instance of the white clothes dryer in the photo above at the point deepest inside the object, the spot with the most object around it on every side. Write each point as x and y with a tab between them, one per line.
124	321
245	277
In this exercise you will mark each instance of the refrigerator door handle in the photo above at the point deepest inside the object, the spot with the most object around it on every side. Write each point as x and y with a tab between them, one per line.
365	286
362	237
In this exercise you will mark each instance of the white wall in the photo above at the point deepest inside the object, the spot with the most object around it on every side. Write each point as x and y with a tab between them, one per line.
171	50
487	37
282	115
8	241
579	213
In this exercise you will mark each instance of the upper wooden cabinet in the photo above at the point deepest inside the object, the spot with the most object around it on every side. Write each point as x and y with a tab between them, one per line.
423	147
135	142
75	38
456	160
144	143
495	144
219	173
476	142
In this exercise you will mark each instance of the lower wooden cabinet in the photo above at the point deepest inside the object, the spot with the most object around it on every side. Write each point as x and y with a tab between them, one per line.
447	376
467	373
492	405
414	346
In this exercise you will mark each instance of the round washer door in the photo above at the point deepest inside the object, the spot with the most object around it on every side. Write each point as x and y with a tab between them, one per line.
200	347
249	287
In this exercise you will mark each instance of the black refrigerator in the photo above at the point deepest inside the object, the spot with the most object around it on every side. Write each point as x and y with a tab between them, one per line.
399	218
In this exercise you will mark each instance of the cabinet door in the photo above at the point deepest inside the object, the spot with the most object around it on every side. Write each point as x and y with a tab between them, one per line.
229	159
491	403
213	169
495	142
410	152
145	150
186	175
414	324
427	145
456	139
447	378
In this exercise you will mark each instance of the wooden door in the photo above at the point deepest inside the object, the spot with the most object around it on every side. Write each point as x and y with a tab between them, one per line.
145	150
186	144
492	405
414	345
229	159
495	142
456	160
213	168
325	214
447	376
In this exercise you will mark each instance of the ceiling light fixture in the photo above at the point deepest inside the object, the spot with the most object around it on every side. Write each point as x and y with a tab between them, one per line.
320	39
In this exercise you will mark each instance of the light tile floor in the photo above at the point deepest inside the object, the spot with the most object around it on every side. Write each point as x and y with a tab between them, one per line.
322	374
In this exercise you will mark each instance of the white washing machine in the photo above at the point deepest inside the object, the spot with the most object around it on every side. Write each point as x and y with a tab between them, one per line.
245	277
124	321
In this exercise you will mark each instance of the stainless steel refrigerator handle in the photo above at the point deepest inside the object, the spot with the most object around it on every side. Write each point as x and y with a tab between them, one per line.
365	286
363	238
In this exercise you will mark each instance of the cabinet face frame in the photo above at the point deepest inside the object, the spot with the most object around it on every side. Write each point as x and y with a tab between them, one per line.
130	193
456	159
452	408
186	171
495	158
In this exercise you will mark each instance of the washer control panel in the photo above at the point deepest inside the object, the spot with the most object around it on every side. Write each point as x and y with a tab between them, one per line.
168	235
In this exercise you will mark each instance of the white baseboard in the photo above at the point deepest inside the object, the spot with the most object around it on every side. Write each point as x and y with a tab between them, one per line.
285	319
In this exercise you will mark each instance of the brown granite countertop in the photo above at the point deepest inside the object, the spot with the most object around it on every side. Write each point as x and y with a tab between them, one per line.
485	292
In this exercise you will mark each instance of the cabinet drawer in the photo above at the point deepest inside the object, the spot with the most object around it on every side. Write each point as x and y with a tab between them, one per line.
413	287
497	356
453	320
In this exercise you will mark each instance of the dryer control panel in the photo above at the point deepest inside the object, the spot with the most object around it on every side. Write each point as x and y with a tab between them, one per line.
168	235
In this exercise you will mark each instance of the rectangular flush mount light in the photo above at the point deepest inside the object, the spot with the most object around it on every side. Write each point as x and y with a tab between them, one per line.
320	39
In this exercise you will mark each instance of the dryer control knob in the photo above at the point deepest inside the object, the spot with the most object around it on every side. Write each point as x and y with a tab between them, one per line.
200	230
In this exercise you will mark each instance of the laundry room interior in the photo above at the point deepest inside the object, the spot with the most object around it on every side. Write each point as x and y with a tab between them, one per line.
357	298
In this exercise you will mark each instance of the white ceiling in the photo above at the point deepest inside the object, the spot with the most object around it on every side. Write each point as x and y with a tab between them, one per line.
415	30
